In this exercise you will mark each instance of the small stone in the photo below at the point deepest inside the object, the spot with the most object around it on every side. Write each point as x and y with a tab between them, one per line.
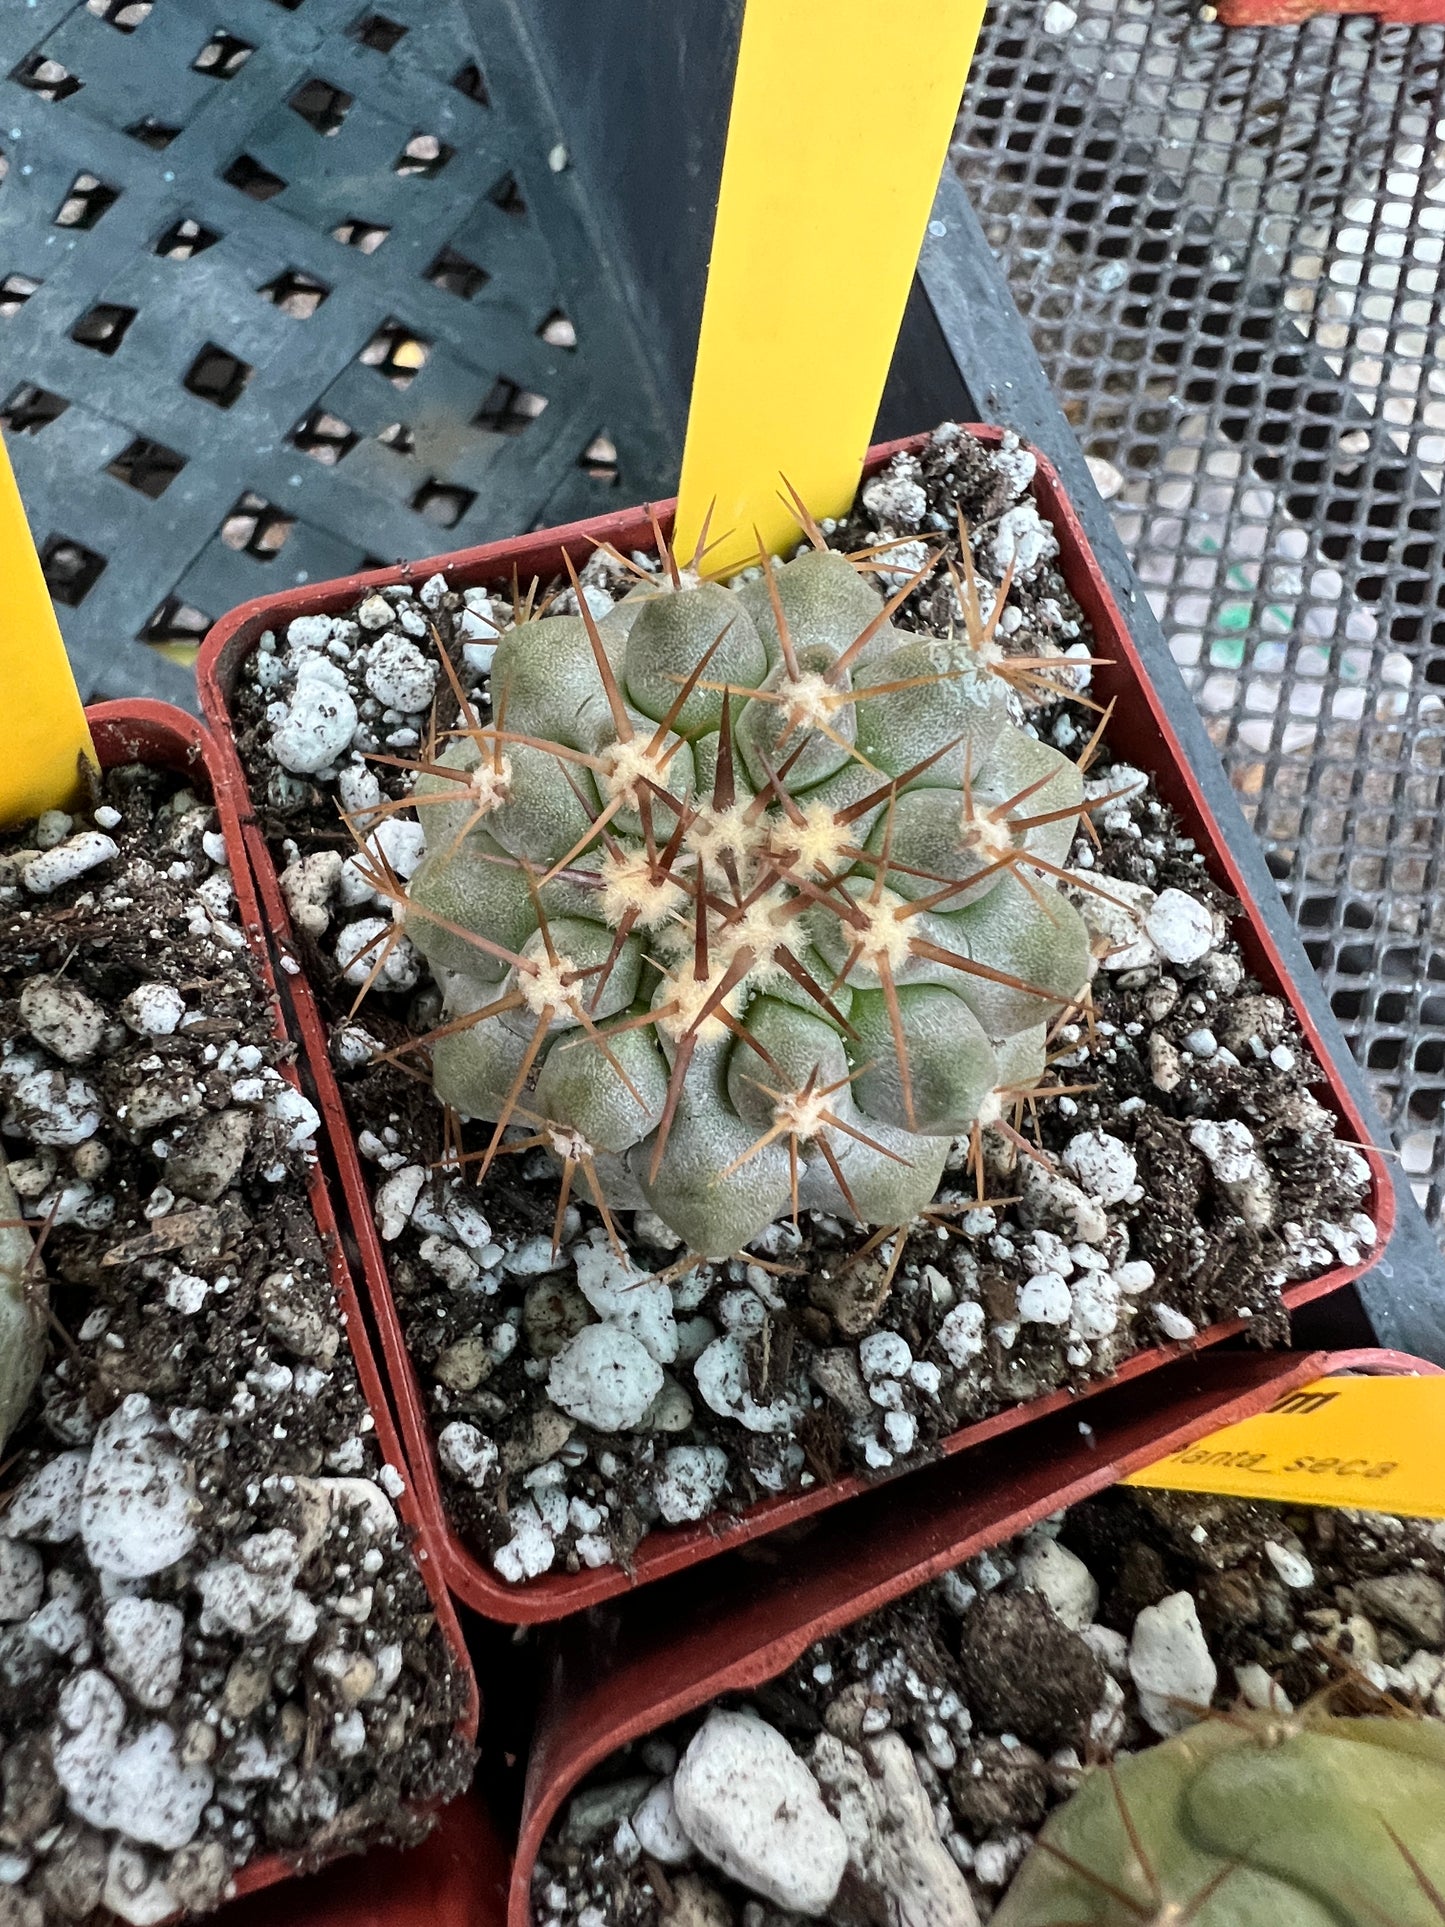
689	1481
605	1378
1045	1300
1175	1324
52	827
750	1805
59	1015
1063	1579
659	1832
597	1810
396	1198
1107	479
136	1508
1103	1165
1171	1665
467	1453
143	1649
22	1580
400	676
1058	1204
962	1333
1025	1672
208	1156
463	1365
1413	1601
155	1010
1260	1691
1180	927
308	886
553	1313
1293	1569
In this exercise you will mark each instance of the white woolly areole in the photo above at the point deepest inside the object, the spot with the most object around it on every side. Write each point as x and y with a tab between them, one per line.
545	987
808	700
490	783
632	884
633	769
817	843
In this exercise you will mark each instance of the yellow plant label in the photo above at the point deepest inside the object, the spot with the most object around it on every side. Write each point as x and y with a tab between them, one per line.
1378	1443
43	732
842	111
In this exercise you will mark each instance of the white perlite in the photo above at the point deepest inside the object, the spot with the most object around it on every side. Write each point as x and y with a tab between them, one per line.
22	1580
1170	1663
1103	1165
52	869
632	1300
141	1789
136	1506
1237	1167
1063	1579
143	1649
400	676
689	1481
467	1453
658	1829
893	1840
320	719
604	1377
721	1372
154	1009
748	1803
46	1506
1180	927
59	1015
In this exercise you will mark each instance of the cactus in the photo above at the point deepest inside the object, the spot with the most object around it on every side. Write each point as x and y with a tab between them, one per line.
23	1307
1250	1820
743	900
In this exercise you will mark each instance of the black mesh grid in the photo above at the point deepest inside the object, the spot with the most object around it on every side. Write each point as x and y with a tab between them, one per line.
284	287
1227	246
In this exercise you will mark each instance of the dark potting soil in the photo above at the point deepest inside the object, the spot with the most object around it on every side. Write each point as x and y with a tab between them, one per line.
1013	1673
214	1641
1095	1248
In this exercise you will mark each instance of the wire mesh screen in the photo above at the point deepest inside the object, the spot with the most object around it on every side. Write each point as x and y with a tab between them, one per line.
1227	246
280	294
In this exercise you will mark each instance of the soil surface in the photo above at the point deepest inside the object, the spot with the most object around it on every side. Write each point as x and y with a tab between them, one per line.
214	1640
1012	1674
1217	1184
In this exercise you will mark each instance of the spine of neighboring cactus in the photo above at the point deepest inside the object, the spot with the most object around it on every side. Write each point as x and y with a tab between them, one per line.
1250	1820
22	1310
741	895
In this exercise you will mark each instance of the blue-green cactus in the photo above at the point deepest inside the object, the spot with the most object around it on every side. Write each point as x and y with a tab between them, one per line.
741	895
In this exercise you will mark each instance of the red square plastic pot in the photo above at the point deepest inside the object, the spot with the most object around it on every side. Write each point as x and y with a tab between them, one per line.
1140	731
610	1685
166	738
1289	13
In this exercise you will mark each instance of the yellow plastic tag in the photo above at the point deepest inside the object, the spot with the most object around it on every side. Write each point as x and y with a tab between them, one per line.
1377	1443
43	731
841	116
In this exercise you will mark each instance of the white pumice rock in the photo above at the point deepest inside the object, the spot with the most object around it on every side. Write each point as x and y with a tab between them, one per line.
295	1112
632	1300
400	676
1111	1649
689	1482
308	885
750	1805
319	720
136	1508
52	827
1174	1324
364	944
46	1505
395	1200
1135	1277
1103	1165
721	1372
962	1333
1062	1577
659	1832
892	1837
884	1354
1171	1665
22	1580
1045	1300
605	1378
252	1590
304	633
1260	1691
154	1010
1291	1567
53	1107
1056	1202
467	1453
1229	1149
1095	1299
59	1015
54	868
142	1789
1023	538
143	1649
530	1550
1180	927
401	844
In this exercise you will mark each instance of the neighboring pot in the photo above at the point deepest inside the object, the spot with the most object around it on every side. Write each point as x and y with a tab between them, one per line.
1290	13
1140	731
166	738
733	1630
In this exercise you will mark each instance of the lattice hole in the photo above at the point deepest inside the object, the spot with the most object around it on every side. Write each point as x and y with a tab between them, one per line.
599	458
15	291
247	173
296	293
453	273
185	239
217	376
124	15
398	438
509	408
152	133
424	157
443	502
468	80
103	327
367	236
558	331
508	197
321	105
223	56
325	437
46	77
70	569
147	467
257	527
397	353
374	30
89	198
30	409
175	621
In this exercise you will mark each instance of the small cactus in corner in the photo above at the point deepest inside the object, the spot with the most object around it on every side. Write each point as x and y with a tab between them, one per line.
1250	1820
743	900
23	1310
